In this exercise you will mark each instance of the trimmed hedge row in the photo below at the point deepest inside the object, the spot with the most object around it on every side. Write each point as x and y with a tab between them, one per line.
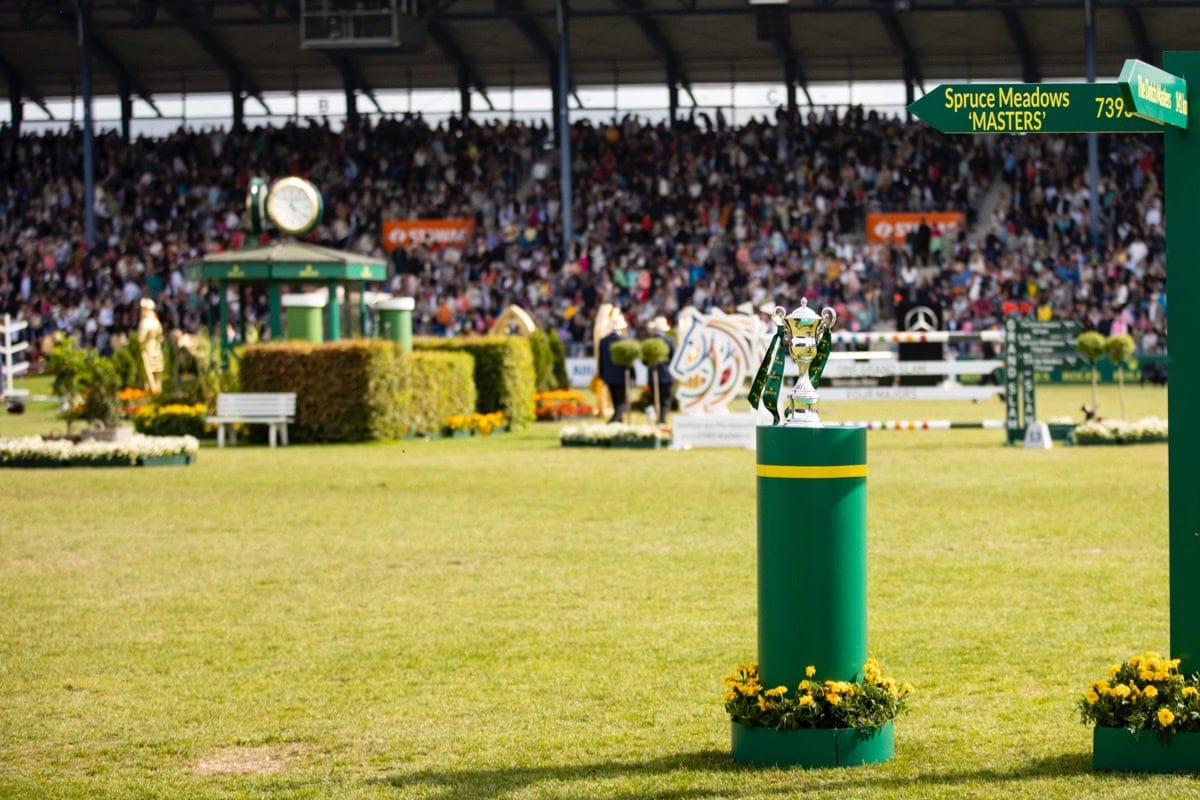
362	389
504	372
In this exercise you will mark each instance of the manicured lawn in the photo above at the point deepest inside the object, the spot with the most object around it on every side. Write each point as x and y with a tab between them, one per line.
505	618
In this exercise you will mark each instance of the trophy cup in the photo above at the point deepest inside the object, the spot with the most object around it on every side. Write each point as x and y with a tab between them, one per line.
809	348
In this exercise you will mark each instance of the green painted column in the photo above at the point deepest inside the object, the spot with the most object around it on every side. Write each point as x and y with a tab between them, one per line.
275	306
304	317
223	323
335	313
395	320
812	552
1182	203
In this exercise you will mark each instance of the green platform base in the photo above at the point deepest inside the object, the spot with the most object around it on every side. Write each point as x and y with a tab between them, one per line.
1118	749
813	748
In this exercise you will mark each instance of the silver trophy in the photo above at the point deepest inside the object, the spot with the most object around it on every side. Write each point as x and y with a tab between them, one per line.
807	329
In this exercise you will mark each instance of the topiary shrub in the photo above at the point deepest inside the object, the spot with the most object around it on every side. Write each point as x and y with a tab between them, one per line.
558	352
1090	345
543	361
504	373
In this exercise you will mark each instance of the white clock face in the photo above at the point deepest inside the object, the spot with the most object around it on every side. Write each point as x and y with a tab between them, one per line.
294	205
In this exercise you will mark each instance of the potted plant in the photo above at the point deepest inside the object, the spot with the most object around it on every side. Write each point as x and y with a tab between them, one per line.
654	352
828	722
624	354
1090	345
1146	716
1119	348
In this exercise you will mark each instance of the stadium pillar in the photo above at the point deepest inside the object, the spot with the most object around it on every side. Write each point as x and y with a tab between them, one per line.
1093	147
16	106
672	95
126	97
464	93
239	100
351	100
791	97
564	121
89	157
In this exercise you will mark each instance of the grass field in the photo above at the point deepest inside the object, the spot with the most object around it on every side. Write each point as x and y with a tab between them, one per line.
506	618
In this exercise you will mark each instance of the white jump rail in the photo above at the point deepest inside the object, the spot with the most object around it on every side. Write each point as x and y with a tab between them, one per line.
9	347
273	409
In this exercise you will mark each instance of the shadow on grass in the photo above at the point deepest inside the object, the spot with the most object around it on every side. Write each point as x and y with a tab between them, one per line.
478	784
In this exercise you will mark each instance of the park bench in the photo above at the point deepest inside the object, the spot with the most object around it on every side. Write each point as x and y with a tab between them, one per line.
273	409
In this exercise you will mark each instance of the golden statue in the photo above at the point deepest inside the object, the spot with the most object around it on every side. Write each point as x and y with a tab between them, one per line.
150	337
515	321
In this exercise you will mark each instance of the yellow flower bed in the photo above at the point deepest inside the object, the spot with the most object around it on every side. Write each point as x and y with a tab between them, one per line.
870	702
1145	692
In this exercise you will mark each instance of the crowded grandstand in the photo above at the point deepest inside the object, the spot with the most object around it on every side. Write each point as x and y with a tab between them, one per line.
696	212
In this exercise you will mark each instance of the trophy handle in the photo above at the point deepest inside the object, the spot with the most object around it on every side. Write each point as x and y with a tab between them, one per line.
778	314
829	317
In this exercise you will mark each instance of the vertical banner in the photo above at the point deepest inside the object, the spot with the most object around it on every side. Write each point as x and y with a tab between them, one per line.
1012	373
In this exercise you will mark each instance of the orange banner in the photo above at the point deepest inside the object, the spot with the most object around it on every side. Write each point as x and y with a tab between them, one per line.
438	233
896	226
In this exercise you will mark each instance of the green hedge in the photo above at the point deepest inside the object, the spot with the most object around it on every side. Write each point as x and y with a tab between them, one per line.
504	372
362	389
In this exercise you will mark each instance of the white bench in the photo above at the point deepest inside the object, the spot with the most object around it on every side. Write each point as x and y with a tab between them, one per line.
273	409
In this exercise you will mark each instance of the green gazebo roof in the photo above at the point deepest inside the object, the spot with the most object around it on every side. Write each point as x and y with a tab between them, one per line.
289	261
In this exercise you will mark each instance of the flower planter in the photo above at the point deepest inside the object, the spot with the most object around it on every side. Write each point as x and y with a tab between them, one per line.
1144	440
1062	432
812	748
180	459
1118	749
102	462
641	444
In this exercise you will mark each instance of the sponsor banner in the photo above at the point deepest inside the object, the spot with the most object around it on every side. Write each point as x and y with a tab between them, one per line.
896	226
440	232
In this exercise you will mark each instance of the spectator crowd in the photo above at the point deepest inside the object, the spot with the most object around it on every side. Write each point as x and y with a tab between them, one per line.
665	216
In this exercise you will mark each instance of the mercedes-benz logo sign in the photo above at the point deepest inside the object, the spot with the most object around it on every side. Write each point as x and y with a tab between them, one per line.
921	318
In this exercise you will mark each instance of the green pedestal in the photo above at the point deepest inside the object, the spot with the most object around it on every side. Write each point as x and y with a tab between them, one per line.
395	320
304	322
812	586
1118	749
840	747
812	553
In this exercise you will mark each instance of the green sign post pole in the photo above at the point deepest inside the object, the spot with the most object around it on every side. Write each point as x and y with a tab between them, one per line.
1182	159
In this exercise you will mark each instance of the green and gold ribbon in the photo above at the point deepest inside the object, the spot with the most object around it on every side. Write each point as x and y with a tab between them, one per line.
824	345
770	374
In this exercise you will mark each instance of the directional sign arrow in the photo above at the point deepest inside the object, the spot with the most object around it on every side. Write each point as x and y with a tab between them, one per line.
1030	108
1153	94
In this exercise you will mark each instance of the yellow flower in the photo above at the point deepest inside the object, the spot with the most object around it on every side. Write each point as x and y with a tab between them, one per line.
1121	690
763	705
1150	692
1189	691
1113	670
1165	717
907	689
730	696
778	691
833	697
806	700
809	671
1093	698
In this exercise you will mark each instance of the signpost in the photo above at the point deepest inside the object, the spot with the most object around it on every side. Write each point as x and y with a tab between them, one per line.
1154	95
1148	100
1030	108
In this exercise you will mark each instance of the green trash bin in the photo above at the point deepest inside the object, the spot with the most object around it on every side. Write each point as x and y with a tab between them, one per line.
395	320
304	317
